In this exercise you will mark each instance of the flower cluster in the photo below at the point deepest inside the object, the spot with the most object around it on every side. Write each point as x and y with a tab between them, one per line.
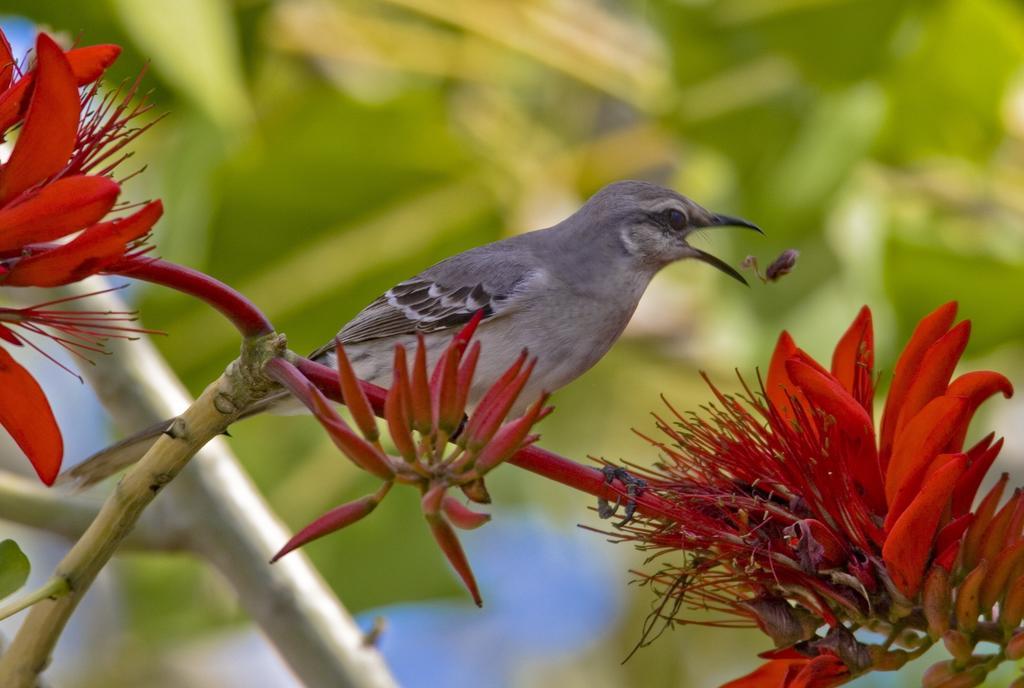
438	446
854	548
56	195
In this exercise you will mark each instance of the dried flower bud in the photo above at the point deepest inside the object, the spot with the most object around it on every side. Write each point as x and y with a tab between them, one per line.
476	491
785	624
938	601
782	265
778	268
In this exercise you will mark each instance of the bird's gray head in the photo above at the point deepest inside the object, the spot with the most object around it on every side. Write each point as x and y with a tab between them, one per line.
650	224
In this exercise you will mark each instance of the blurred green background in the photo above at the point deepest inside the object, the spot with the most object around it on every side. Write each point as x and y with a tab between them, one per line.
316	151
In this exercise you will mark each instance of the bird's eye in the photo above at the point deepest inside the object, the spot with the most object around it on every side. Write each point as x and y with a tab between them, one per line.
676	218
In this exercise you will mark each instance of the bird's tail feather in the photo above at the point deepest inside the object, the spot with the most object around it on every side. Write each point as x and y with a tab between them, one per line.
114	458
120	455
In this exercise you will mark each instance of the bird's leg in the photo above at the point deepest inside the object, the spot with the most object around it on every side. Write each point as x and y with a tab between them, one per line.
634	488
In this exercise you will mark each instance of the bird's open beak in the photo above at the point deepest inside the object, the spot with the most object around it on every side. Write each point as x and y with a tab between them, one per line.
730	221
724	221
706	257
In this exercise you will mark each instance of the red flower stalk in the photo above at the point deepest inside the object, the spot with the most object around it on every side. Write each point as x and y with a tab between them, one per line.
798	516
438	447
56	186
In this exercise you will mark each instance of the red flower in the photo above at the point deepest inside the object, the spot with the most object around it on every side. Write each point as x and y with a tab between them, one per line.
56	185
797	515
438	447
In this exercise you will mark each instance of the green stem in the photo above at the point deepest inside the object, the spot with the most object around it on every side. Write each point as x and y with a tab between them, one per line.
54	588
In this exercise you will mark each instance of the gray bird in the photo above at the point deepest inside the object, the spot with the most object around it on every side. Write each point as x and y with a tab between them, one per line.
564	293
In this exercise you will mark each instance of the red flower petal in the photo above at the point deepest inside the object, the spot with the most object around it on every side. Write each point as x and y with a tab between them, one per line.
952	532
462	516
51	124
976	387
511	437
65	206
95	250
8	336
768	675
982	518
927	434
422	415
87	64
6	62
467	370
810	535
852	421
781	389
491	410
334	520
449	543
26	415
778	386
853	361
908	546
980	459
934	372
997	535
444	392
931	327
396	408
1007	560
826	393
361	452
354	397
824	671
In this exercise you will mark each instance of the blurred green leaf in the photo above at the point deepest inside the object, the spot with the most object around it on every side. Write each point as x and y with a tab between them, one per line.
14	567
832	42
919	278
835	137
946	97
193	43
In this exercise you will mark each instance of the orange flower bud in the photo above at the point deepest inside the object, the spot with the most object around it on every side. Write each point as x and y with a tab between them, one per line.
938	601
958	645
968	599
1012	610
1015	648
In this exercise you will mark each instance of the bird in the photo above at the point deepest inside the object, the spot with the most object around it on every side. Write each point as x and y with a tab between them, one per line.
564	294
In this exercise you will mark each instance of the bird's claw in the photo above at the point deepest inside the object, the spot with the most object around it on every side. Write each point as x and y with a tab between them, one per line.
634	488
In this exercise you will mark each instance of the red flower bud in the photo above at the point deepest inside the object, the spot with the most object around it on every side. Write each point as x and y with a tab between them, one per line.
334	520
461	516
354	396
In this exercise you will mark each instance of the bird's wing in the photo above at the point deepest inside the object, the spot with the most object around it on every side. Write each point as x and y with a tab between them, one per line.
440	299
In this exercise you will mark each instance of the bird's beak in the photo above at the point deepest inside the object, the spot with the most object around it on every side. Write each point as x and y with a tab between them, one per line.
706	257
717	220
730	221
